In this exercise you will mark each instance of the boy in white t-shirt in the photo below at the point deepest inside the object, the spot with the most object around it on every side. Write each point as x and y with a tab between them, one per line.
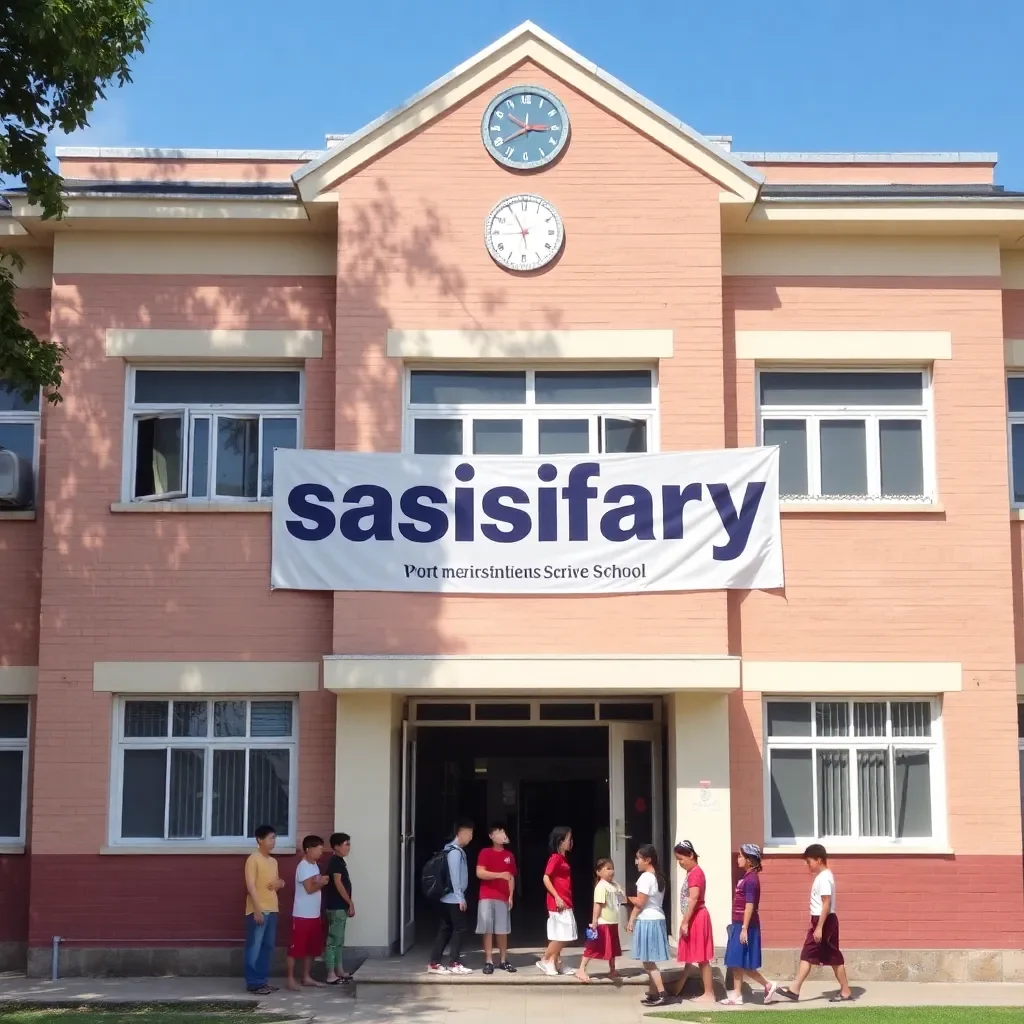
821	947
307	939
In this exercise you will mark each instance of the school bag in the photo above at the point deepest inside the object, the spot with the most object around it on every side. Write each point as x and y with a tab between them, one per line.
435	881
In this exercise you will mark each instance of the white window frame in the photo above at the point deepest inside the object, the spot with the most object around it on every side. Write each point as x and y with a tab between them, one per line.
872	415
35	418
1012	418
933	744
190	413
22	744
529	411
121	743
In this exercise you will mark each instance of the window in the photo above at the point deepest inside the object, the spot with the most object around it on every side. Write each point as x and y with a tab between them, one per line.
530	412
865	771
13	770
1015	405
1020	753
209	435
849	436
203	771
19	425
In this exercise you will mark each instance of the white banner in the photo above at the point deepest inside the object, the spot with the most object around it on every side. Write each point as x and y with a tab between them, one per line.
529	525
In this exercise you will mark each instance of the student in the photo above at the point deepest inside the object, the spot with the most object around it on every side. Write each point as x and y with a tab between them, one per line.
561	920
496	869
647	922
339	906
262	883
307	930
821	947
696	940
604	921
454	921
743	948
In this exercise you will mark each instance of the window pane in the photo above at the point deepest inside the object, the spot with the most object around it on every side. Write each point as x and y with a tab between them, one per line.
444	712
823	388
844	460
13	720
145	718
913	786
593	387
277	433
143	791
791	437
869	718
873	792
437	437
237	456
268	790
912	718
789	718
625	436
271	718
503	712
1017	461
831	718
189	718
466	387
12	774
1020	721
792	796
185	815
228	811
19	438
201	457
626	711
229	718
217	387
11	400
564	437
1014	394
567	712
834	792
158	450
497	437
902	458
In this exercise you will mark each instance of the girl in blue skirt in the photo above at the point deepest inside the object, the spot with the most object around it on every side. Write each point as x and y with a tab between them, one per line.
743	948
647	922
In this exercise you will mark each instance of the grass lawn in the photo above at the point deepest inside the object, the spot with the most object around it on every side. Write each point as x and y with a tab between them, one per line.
865	1015
201	1013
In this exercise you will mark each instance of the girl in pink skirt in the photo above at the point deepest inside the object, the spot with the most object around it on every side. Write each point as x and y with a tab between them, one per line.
604	922
696	941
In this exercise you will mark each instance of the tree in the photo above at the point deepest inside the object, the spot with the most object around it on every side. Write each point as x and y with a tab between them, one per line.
57	58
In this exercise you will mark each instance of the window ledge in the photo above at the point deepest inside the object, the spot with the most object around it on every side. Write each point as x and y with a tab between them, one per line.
11	848
868	507
27	515
891	850
161	507
188	849
1015	513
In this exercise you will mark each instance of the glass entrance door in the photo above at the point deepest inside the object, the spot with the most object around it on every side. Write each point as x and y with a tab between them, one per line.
407	831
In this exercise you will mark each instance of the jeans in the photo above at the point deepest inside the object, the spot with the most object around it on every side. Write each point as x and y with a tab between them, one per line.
337	920
454	926
259	945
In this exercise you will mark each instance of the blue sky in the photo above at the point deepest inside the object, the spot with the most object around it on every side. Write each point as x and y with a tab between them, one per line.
797	75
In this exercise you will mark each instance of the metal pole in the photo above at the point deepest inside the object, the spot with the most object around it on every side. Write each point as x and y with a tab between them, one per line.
55	959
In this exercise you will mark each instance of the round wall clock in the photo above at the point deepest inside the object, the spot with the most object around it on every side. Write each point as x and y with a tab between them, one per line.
524	232
525	127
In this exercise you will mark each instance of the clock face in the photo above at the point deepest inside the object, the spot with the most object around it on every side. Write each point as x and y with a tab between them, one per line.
524	232
525	127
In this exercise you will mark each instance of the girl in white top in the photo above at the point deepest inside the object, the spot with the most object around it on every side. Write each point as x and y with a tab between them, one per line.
647	922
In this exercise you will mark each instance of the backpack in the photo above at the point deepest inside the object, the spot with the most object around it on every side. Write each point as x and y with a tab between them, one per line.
435	881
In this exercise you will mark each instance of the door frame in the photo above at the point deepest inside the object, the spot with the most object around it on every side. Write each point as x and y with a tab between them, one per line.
407	841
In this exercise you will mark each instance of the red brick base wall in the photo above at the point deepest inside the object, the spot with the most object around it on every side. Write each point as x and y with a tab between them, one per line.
14	896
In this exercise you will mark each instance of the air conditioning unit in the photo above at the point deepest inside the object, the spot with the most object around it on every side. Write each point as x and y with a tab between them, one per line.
16	488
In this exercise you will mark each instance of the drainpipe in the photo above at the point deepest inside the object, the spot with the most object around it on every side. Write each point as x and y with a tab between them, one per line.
55	959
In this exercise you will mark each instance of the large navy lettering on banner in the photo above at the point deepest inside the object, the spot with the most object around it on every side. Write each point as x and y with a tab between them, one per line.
511	525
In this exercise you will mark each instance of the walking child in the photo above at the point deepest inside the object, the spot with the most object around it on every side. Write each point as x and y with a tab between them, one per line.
821	947
307	930
647	922
561	920
340	907
496	869
696	939
603	933
743	948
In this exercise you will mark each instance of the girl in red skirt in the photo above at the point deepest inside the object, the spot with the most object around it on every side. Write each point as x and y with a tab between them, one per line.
696	941
604	922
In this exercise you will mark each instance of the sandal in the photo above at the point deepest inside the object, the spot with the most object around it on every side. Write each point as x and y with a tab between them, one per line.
840	998
788	993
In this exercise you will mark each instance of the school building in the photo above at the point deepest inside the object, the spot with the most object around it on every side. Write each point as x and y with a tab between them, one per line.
666	293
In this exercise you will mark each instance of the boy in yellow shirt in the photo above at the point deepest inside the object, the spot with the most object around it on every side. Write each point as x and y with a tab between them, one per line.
262	883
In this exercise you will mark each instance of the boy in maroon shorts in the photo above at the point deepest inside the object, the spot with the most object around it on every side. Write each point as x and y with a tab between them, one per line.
821	947
307	939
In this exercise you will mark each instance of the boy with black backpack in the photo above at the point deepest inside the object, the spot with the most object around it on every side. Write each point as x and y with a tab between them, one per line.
454	919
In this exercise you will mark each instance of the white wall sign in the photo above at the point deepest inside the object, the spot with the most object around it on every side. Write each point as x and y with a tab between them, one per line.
530	525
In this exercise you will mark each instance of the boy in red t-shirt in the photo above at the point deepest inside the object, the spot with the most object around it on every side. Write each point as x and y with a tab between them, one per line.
496	869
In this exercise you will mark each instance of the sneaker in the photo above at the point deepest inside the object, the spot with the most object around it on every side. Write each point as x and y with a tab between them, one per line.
456	968
730	1001
488	968
567	971
548	968
506	967
769	992
437	969
654	1000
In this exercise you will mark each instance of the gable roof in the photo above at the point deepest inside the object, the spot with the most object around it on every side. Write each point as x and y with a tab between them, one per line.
528	42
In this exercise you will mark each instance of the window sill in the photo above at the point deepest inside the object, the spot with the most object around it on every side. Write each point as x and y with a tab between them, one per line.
1015	513
12	848
25	515
852	850
188	849
155	507
864	507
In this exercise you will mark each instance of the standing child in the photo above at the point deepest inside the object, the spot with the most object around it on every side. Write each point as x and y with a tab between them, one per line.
262	883
496	869
454	919
339	906
743	948
696	940
561	920
821	947
307	931
647	922
603	933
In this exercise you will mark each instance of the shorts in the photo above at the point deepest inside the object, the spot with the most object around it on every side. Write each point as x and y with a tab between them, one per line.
493	917
748	957
307	937
561	926
825	953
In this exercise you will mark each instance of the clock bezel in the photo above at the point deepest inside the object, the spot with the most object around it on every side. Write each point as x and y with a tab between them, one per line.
559	238
528	165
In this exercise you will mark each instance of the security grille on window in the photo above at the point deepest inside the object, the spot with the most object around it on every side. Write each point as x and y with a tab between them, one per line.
530	412
19	433
210	435
13	770
849	436
1015	405
203	770
859	770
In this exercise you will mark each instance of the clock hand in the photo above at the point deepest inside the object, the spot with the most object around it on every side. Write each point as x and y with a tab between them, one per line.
512	117
522	131
538	127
